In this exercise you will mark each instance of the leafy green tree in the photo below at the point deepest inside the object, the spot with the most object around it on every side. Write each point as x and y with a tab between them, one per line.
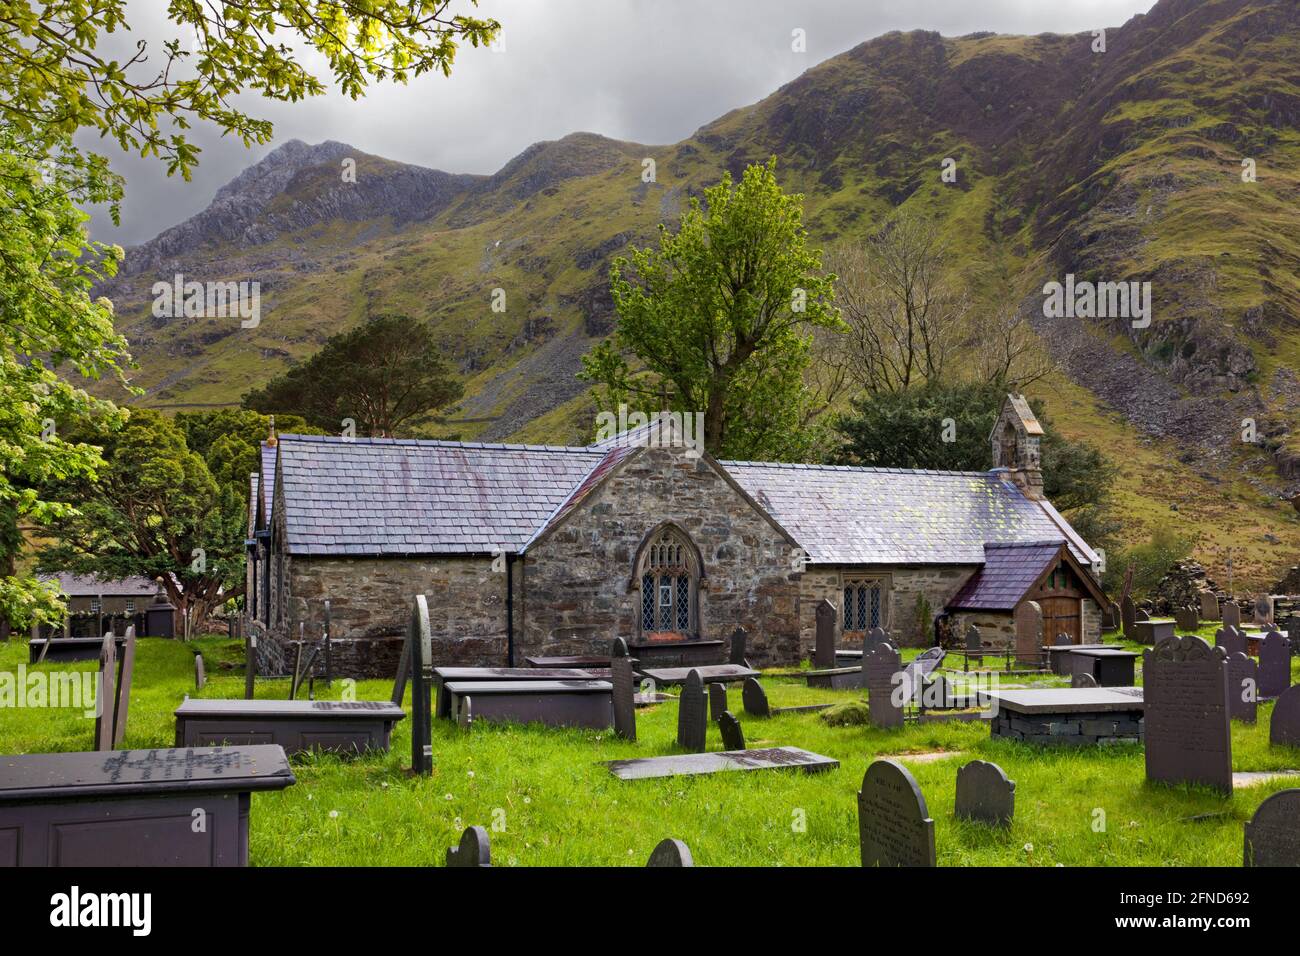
382	374
155	510
719	319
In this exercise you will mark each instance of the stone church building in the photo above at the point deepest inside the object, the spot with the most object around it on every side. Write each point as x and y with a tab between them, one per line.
528	550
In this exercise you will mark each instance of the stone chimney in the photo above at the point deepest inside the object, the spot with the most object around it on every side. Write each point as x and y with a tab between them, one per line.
1015	439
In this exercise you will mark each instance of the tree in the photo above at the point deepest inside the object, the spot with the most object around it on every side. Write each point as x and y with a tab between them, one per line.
719	318
154	510
903	307
382	374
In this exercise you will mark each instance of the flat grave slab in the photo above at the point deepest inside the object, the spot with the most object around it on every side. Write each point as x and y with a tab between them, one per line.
66	649
836	678
298	726
1067	716
680	765
556	703
678	653
442	675
709	674
133	807
576	660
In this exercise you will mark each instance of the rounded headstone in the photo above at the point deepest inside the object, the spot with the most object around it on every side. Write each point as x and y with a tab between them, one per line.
985	794
671	853
754	698
894	824
1272	837
1284	728
1083	679
474	850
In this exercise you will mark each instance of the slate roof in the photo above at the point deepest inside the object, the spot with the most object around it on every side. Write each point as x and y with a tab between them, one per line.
84	585
1009	572
376	496
848	515
268	479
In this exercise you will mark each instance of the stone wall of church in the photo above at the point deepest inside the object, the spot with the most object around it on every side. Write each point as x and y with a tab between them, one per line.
580	589
938	583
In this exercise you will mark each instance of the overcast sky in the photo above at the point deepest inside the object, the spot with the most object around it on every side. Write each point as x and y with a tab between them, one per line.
649	71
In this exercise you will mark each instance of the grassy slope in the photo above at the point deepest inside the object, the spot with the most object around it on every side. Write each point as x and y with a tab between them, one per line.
562	808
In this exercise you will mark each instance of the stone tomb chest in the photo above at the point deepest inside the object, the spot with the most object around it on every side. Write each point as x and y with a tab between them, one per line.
336	726
1067	716
556	703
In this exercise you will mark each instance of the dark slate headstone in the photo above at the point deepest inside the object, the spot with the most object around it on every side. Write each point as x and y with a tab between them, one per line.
200	672
1230	640
1209	606
1185	619
733	738
1243	687
671	853
122	697
738	641
1142	615
877	635
1188	739
1061	640
475	849
1284	728
984	794
974	642
403	673
1128	615
755	698
691	723
1264	609
420	638
621	676
1231	613
106	693
465	715
1082	679
894	825
1272	835
1029	631
1274	665
618	647
717	700
824	649
879	668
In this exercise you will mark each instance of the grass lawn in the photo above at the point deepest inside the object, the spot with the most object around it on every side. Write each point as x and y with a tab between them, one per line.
559	807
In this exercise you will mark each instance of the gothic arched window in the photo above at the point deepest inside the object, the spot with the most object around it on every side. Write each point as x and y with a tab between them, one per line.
669	573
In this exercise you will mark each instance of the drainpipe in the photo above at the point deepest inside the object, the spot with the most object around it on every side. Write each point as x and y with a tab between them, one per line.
510	611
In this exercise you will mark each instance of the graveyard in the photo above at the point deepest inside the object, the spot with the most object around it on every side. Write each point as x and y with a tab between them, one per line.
546	798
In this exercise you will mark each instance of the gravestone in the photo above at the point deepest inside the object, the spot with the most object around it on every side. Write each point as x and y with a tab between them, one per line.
1141	615
1209	606
106	693
877	635
1264	609
1231	614
755	698
1274	665
824	649
1272	836
1230	640
739	639
691	723
1061	640
1243	687
1186	620
1188	739
475	849
122	697
200	672
1029	632
984	794
624	682
894	825
733	738
1082	679
465	713
1284	727
403	673
718	699
671	853
878	669
420	638
974	642
1128	616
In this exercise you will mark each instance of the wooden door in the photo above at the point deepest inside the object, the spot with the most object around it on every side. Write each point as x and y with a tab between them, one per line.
1062	615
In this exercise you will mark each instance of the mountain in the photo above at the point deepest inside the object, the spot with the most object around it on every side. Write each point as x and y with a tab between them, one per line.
1122	165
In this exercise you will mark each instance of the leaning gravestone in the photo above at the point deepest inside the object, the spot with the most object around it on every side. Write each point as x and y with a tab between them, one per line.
1231	640
624	683
1083	679
1231	614
1243	687
739	642
717	700
733	738
1188	738
1264	609
755	698
200	672
106	693
420	638
984	794
824	650
691	724
1284	727
1209	606
122	696
1274	665
1272	835
878	670
894	826
1128	615
1185	619
474	850
671	853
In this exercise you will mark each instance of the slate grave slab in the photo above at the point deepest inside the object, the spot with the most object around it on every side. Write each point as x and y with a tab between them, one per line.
624	690
894	825
879	668
679	765
692	725
984	794
1243	687
1188	737
1274	665
824	650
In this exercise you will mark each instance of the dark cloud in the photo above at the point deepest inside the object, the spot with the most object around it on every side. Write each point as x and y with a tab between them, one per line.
650	71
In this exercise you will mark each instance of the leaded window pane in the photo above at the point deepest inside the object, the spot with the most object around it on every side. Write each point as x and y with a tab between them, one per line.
665	602
683	603
875	605
648	602
862	607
